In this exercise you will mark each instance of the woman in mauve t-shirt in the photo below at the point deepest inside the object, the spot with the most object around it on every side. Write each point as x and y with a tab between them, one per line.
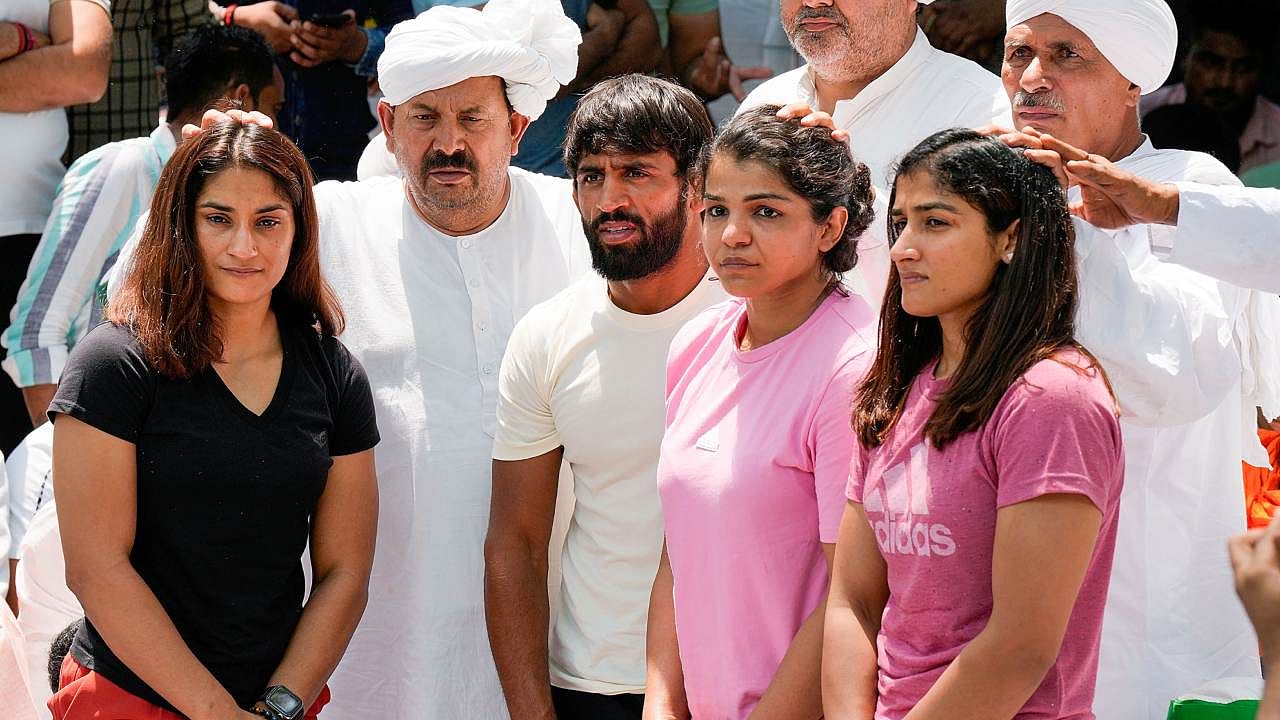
974	556
755	457
204	435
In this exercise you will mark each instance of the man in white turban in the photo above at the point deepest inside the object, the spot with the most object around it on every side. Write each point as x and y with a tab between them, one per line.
433	271
1183	356
874	71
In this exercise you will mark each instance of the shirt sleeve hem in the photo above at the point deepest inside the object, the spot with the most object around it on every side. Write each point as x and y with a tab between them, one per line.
90	418
1056	485
356	447
513	452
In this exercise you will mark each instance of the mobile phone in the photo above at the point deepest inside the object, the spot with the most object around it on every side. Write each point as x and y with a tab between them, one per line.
329	20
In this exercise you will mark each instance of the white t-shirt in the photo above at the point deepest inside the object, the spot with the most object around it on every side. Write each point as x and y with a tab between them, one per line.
46	605
30	143
30	471
584	374
428	315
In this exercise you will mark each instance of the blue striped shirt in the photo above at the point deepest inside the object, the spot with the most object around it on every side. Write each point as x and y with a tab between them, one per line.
98	203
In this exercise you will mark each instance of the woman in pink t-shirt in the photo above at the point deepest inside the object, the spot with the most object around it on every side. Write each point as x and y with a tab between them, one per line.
755	456
974	556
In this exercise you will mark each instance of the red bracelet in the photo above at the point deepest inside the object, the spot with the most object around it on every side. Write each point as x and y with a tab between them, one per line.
229	15
26	39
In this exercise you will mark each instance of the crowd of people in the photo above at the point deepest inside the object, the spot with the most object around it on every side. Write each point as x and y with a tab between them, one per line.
636	359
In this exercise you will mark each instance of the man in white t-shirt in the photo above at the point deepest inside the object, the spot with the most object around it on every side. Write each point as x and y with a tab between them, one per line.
583	382
874	71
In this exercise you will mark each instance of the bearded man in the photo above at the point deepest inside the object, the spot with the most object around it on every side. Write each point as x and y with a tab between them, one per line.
583	382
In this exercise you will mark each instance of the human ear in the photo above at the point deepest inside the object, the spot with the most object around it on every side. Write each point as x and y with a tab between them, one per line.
833	229
1007	242
519	123
387	119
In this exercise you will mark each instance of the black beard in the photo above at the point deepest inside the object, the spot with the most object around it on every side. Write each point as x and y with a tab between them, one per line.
656	249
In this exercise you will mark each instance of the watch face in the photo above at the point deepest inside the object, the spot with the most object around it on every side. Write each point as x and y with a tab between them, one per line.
284	702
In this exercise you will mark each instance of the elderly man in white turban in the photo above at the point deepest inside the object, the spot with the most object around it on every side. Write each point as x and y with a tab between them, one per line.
1075	69
433	271
874	71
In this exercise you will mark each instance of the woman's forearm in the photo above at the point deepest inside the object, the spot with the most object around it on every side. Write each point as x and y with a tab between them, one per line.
795	693
991	679
664	697
329	619
849	663
131	620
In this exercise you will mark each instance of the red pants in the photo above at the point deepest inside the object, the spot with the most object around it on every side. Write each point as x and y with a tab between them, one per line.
85	694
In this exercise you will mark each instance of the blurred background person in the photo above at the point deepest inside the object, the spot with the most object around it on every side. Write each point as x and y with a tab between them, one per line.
52	54
144	32
328	51
1223	74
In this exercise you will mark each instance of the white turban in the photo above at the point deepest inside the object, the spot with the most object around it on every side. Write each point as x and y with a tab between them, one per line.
1139	37
530	44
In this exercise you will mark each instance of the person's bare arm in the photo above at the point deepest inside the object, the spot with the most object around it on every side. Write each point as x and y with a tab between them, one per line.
855	605
96	484
664	696
11	40
71	70
1255	558
1042	550
342	543
11	596
638	49
515	580
604	30
37	398
795	692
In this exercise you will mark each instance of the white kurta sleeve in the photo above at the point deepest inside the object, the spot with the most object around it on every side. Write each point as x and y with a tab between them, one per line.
1160	330
1230	233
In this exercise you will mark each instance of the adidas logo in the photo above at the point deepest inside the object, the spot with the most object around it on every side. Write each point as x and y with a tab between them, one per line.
902	498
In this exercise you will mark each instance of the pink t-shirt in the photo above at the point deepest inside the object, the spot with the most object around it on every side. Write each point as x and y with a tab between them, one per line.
934	515
751	477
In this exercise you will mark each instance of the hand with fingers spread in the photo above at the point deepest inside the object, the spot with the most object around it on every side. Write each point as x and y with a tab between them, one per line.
713	74
213	117
314	44
270	19
812	118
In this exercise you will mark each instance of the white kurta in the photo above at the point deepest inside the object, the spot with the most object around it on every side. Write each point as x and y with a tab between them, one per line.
927	90
428	315
1180	352
1231	233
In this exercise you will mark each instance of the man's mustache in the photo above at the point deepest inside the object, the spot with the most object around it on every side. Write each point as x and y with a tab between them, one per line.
616	216
459	159
1049	100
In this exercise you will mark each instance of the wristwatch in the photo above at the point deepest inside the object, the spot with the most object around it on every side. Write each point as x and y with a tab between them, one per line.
279	703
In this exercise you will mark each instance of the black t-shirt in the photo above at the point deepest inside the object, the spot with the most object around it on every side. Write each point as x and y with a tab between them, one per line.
225	497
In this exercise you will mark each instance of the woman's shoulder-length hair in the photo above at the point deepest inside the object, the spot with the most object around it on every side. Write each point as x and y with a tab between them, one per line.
163	298
1027	315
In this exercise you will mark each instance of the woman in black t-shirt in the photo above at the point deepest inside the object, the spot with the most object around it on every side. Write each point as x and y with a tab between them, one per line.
203	434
